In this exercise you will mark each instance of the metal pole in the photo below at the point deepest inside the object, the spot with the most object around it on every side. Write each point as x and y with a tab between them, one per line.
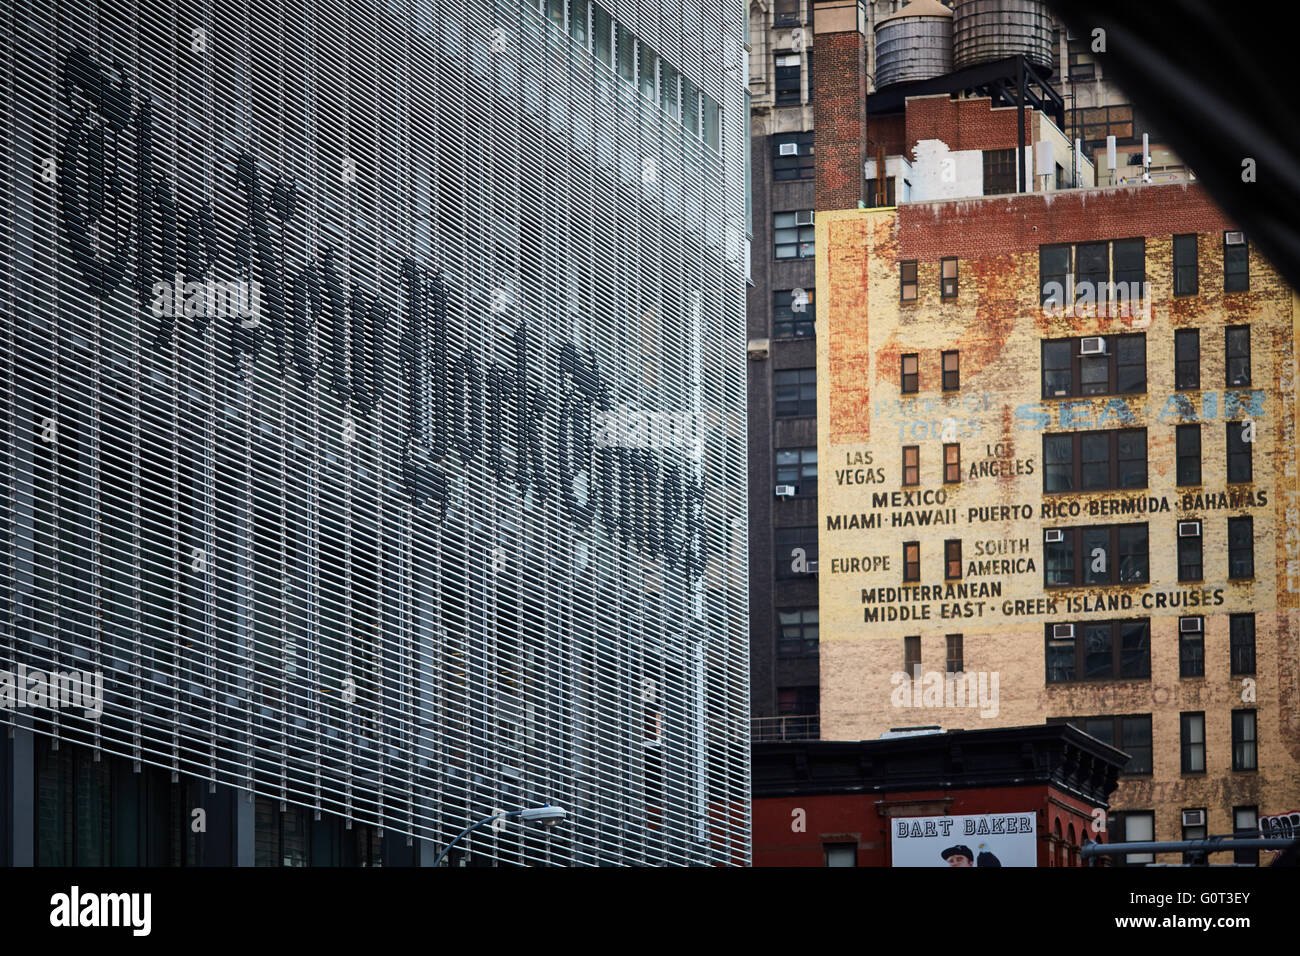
1020	123
472	826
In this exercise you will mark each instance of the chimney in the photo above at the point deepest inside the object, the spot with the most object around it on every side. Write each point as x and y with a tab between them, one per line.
839	103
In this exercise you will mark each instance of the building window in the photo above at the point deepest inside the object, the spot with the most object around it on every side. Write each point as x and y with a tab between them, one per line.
1092	267
1241	548
1187	359
1245	820
1236	346
1134	826
911	464
602	30
1098	650
1054	276
579	12
1101	555
648	72
797	467
797	632
793	234
1186	277
841	854
795	551
874	197
786	12
999	171
670	91
910	381
1193	742
1189	454
789	83
907	283
1245	753
1131	734
1191	647
912	656
795	392
1112	365
955	664
1241	636
1190	560
948	278
951	464
792	156
1236	262
952	558
1240	465
797	701
626	44
951	371
1130	269
1095	461
792	314
911	560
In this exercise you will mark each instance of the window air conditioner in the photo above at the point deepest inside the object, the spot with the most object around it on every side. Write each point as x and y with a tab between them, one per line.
1190	625
804	218
1054	536
1193	818
812	567
789	149
1189	529
1092	345
1062	632
1235	239
785	491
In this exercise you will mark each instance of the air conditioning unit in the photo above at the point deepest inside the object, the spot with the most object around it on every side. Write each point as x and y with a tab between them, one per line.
803	218
1189	529
758	349
1054	536
789	149
786	491
1193	818
1062	632
787	59
1190	625
1092	345
1234	239
812	567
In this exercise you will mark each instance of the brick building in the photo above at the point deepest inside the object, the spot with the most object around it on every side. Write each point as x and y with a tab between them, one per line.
1087	508
832	803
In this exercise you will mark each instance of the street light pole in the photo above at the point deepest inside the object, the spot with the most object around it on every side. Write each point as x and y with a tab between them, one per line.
547	815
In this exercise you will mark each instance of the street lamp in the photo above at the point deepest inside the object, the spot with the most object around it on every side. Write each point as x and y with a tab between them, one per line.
547	815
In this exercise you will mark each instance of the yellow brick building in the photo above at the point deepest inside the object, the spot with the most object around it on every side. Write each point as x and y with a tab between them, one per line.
1088	510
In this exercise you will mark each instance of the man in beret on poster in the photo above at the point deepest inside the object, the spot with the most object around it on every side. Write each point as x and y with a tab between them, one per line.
959	855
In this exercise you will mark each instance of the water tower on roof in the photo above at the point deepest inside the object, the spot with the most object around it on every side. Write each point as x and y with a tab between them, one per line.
914	44
989	30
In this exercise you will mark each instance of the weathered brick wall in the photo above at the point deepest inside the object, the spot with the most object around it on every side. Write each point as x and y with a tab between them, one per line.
998	417
839	91
964	124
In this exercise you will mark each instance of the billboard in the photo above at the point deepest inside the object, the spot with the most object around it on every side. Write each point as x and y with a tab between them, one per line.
982	839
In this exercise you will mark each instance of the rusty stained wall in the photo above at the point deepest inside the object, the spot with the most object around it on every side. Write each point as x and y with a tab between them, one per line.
998	417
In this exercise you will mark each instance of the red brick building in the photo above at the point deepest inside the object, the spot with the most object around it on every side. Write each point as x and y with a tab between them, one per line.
823	803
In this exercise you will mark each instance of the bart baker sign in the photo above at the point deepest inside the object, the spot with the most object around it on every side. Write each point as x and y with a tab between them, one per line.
988	839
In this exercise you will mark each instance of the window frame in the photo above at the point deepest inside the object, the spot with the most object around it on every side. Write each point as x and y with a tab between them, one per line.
955	647
806	646
1229	357
955	372
1117	737
1077	441
951	466
999	171
912	663
1191	543
905	284
803	166
1240	740
805	236
944	278
951	554
1184	382
911	568
1079	656
1240	458
783	93
1237	666
802	480
904	374
1187	747
915	452
1073	535
804	406
1183	287
787	539
1180	455
799	326
1076	366
1236	275
1187	640
1246	522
